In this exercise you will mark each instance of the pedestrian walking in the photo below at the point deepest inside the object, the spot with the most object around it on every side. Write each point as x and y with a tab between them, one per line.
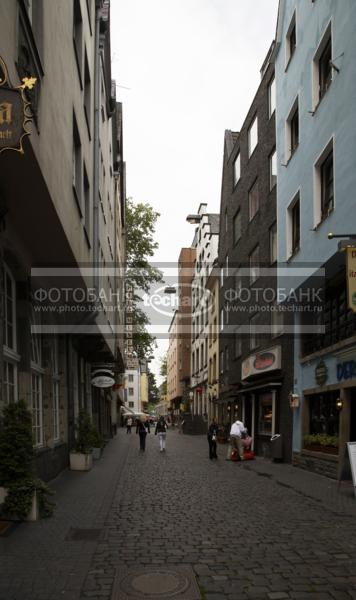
237	431
142	432
161	430
128	425
212	439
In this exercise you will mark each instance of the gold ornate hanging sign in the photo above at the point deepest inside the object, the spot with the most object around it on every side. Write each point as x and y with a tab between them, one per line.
15	112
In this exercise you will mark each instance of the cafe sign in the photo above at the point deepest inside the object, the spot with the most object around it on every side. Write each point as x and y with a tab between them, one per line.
15	112
261	362
351	277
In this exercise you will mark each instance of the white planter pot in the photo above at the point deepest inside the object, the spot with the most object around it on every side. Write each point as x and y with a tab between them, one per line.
80	462
97	453
3	494
33	515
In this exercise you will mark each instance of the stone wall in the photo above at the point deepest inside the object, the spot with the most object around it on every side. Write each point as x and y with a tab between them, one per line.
317	463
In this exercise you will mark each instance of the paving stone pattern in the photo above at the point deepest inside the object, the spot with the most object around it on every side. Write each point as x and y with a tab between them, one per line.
253	530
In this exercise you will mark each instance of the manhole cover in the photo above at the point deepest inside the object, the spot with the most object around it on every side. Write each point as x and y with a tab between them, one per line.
82	535
156	583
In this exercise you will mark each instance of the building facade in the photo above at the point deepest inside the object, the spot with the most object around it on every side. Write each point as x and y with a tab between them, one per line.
316	135
206	247
256	370
51	232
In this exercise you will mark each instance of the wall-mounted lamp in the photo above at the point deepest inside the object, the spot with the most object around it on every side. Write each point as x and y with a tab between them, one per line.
229	407
339	403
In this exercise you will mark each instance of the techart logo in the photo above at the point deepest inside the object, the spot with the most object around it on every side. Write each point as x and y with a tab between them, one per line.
167	302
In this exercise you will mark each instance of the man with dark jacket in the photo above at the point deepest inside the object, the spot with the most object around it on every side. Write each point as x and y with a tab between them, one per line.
212	437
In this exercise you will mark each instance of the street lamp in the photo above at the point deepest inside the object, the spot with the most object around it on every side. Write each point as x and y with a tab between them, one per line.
193	219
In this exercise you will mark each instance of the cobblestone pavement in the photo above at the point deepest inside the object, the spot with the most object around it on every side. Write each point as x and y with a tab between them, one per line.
252	530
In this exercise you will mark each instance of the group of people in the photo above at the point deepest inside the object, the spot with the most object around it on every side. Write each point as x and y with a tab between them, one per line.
143	427
239	439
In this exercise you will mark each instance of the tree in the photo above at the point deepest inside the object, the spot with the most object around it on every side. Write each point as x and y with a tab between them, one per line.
163	373
140	274
153	393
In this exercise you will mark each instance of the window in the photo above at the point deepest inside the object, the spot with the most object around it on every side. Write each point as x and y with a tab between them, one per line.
131	404
77	166
272	169
221	319
237	227
87	93
324	416
254	338
322	67
253	200
10	382
131	391
215	329
237	169
86	188
37	409
254	260
327	185
291	40
131	378
265	413
9	311
293	226
271	97
214	368
273	244
238	343
55	389
292	130
324	184
78	37
252	137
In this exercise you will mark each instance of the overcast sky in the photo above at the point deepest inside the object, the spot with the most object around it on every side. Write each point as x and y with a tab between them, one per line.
192	69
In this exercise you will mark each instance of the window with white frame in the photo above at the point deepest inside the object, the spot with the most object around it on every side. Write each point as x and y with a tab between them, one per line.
292	130
252	136
254	260
37	408
237	169
277	320
253	200
324	184
272	169
10	382
273	243
55	389
293	226
36	381
322	67
271	97
291	40
131	391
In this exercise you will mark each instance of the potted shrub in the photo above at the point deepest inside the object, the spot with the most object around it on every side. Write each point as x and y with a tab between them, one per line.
321	442
22	496
81	456
97	443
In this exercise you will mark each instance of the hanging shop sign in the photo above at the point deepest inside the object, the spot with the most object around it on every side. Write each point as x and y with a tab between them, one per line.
321	373
294	400
102	377
15	112
262	362
351	277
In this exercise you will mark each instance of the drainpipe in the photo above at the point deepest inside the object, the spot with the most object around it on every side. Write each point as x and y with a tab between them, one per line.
96	179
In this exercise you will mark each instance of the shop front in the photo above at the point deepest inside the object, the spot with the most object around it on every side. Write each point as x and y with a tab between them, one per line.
326	420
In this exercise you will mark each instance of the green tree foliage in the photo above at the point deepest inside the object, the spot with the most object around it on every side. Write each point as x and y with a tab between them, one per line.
163	373
16	445
141	222
153	393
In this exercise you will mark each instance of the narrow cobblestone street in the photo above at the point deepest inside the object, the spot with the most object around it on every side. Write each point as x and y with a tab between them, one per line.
257	530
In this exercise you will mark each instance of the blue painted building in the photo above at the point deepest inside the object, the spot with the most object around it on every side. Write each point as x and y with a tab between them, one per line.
315	71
